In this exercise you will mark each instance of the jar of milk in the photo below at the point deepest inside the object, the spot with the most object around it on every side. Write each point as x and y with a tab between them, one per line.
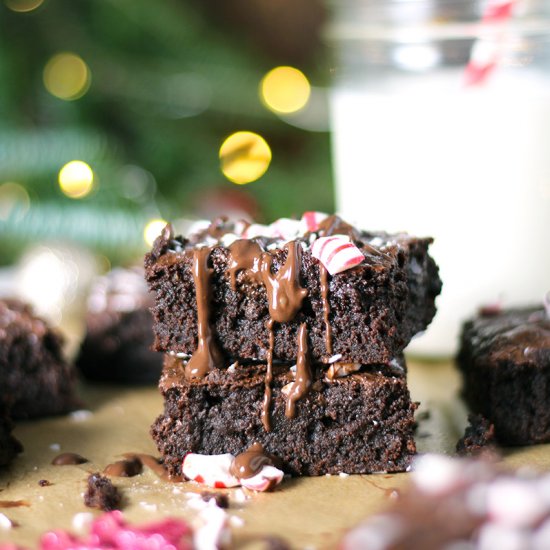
441	126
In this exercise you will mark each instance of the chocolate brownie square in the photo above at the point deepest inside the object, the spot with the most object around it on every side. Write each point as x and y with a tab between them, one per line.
254	293
504	359
35	378
359	423
119	331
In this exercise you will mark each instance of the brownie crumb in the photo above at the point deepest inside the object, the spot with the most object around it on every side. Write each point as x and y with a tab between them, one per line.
101	493
222	501
44	483
479	437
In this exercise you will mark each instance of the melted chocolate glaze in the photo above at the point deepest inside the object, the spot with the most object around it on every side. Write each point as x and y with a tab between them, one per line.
250	463
326	307
303	381
207	356
13	503
129	467
69	459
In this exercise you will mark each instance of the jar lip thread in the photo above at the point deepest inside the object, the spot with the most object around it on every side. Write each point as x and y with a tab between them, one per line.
387	32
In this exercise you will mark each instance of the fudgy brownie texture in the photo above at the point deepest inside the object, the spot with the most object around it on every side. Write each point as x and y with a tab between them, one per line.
35	379
9	446
504	358
119	331
459	503
479	437
359	423
101	493
373	309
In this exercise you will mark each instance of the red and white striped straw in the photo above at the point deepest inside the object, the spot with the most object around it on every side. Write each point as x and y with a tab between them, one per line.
485	54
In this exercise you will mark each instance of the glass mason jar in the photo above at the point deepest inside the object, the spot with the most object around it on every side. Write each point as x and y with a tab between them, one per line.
419	148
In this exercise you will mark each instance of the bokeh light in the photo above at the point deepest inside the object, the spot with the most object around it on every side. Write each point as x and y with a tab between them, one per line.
13	199
285	90
66	76
23	5
244	157
152	230
76	179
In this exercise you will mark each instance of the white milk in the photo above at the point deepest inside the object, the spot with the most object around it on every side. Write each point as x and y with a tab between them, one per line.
470	168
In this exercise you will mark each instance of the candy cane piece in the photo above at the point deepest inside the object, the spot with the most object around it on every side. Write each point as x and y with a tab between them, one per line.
311	220
211	470
337	253
267	478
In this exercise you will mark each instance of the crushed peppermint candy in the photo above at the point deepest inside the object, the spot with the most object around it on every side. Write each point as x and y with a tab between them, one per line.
215	471
311	221
286	228
337	253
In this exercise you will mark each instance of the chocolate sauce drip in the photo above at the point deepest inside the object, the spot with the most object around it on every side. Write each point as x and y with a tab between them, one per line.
249	463
154	465
302	384
245	254
129	467
13	503
266	404
284	293
69	459
326	307
207	355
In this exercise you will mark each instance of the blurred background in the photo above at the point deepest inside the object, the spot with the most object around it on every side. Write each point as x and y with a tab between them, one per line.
118	113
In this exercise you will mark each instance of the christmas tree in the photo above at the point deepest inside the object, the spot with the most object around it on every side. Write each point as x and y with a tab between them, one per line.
114	114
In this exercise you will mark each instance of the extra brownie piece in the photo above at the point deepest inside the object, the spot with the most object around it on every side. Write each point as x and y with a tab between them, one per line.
373	309
101	493
359	423
119	331
478	439
35	379
505	363
9	446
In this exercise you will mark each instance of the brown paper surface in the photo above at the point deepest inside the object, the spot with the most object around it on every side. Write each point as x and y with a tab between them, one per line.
307	512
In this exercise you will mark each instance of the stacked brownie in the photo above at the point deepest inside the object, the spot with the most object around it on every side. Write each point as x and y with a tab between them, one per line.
289	335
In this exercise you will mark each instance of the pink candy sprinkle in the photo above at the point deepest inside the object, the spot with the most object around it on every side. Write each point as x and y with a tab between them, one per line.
111	532
336	253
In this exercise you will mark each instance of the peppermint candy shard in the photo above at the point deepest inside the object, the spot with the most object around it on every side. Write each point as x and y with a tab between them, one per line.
267	478
337	253
258	230
312	220
210	470
285	228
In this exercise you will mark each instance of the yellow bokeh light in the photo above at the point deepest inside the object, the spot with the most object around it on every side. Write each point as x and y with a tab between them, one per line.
152	230
76	179
285	90
67	76
244	157
13	199
23	5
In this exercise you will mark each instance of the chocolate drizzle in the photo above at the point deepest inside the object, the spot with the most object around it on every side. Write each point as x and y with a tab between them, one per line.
266	404
284	293
326	307
245	254
250	463
207	355
302	384
68	459
129	467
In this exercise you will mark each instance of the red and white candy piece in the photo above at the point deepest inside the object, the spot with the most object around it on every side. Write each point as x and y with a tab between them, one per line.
211	470
312	220
265	479
214	471
337	253
258	230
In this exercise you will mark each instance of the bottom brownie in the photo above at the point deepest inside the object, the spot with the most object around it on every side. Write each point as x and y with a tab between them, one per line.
361	423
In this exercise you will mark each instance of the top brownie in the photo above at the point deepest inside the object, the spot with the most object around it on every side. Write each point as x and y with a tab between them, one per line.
258	285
